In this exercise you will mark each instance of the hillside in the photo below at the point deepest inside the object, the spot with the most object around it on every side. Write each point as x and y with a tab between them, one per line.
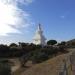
50	67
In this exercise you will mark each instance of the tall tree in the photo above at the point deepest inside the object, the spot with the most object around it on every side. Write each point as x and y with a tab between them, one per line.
63	43
51	42
13	45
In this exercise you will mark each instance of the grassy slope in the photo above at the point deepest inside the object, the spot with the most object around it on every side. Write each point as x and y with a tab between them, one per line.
50	67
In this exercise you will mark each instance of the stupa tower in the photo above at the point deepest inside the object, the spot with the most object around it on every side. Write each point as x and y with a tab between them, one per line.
39	38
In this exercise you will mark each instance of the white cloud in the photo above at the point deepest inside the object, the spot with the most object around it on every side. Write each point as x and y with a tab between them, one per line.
25	1
28	1
12	17
15	2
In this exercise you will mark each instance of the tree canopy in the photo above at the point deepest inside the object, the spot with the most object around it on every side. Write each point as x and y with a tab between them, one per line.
51	42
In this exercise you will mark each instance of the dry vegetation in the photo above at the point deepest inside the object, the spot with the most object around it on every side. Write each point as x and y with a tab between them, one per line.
49	67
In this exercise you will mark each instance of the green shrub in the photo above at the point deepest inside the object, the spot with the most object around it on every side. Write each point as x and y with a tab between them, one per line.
39	55
5	69
43	54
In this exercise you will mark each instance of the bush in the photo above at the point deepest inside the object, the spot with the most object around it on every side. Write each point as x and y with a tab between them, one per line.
23	59
39	56
62	49
5	69
43	54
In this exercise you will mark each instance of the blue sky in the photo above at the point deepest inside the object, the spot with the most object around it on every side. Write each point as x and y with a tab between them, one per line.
57	18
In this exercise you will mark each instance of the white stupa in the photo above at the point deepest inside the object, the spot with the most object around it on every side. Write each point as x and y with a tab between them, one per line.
39	38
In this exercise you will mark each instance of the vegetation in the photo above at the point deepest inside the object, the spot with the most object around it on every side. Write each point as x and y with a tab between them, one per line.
49	67
13	45
71	43
5	68
51	42
34	53
43	54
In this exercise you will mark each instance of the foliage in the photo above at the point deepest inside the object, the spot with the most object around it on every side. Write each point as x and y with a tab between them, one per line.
51	42
5	68
35	53
23	59
63	43
63	49
39	56
4	50
13	45
43	54
22	44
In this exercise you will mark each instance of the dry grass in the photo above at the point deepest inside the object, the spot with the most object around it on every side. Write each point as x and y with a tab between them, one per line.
50	67
19	71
